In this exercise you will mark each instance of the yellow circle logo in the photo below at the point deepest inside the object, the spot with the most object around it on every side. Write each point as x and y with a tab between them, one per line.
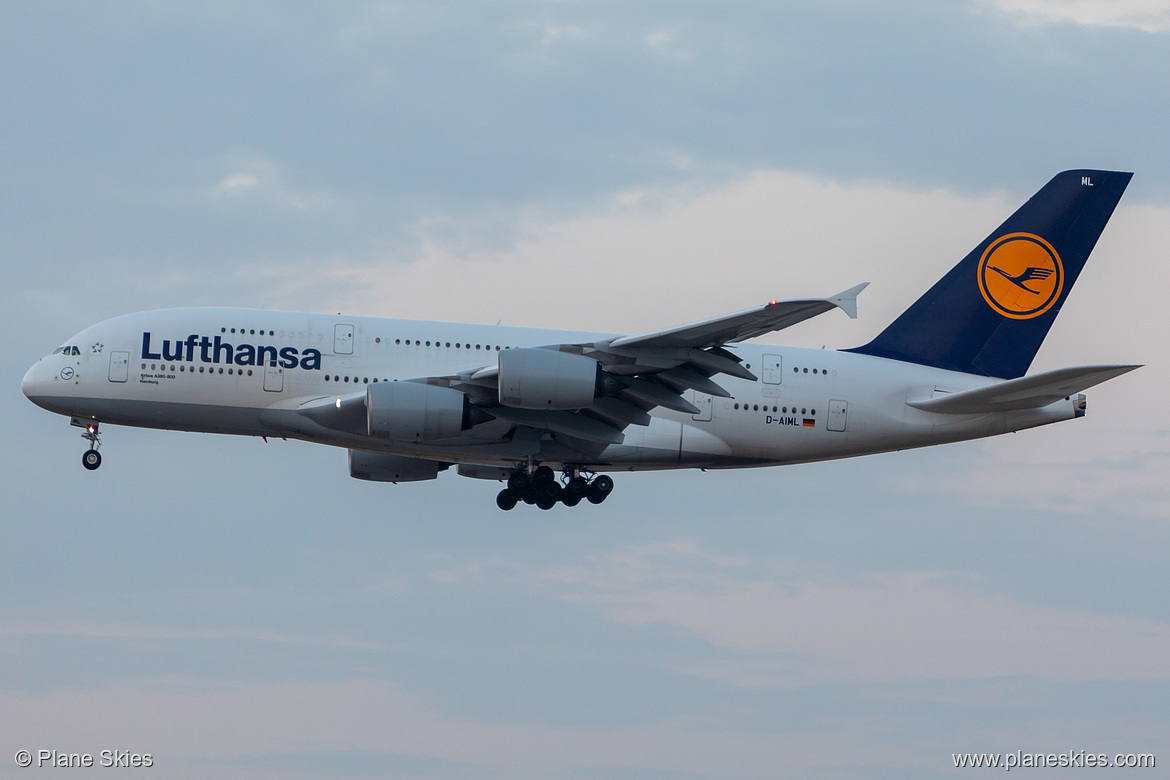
1020	276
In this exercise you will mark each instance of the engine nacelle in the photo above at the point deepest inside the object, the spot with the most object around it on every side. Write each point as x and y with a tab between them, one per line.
548	379
384	467
410	411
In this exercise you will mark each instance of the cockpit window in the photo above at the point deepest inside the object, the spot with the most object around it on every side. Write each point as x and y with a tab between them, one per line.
59	350
75	351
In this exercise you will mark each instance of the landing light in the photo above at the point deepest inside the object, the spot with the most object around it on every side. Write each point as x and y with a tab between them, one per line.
338	403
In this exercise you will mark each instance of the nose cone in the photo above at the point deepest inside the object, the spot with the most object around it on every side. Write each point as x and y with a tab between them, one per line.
28	385
34	389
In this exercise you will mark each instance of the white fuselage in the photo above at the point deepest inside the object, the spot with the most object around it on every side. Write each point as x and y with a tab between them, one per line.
807	405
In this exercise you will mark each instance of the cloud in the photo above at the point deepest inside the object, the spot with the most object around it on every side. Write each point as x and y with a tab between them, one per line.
265	184
1147	15
666	44
148	633
237	182
656	256
370	728
880	628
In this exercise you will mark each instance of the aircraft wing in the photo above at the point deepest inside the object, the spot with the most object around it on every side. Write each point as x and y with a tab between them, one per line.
1029	392
648	370
743	325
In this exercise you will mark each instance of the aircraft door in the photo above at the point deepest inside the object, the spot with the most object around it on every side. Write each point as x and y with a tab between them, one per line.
770	370
837	413
119	365
343	339
273	379
704	402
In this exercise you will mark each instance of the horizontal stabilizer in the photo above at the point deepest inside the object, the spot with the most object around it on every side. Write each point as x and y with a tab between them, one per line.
1030	392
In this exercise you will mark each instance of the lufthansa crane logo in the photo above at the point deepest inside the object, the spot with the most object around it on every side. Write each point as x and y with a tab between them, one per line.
1020	276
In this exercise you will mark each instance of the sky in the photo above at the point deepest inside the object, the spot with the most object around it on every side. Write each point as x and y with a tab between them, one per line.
243	609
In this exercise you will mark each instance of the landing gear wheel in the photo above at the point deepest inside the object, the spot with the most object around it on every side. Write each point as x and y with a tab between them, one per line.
546	503
517	481
544	475
600	488
551	491
506	499
530	494
577	488
571	500
91	459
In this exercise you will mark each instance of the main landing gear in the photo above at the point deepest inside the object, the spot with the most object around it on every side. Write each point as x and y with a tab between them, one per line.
543	489
92	458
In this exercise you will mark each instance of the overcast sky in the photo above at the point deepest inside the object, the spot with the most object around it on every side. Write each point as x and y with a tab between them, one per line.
246	610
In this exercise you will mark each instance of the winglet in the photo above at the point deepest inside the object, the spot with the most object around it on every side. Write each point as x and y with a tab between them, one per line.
847	301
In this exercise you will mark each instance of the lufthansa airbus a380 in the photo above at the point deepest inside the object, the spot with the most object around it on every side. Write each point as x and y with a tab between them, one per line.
548	411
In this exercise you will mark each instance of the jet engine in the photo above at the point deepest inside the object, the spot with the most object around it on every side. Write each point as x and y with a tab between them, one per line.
548	379
384	467
411	411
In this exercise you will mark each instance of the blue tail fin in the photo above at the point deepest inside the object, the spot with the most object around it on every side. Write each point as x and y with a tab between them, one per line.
991	312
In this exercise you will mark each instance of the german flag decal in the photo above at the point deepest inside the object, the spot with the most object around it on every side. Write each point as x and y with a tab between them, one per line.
809	422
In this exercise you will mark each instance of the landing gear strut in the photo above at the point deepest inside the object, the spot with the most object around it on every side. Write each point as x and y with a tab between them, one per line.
92	458
543	490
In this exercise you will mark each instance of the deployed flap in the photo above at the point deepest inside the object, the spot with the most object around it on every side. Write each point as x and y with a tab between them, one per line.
1028	392
743	325
566	423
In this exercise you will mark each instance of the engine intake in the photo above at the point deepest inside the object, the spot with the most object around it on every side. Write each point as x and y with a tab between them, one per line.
548	379
410	411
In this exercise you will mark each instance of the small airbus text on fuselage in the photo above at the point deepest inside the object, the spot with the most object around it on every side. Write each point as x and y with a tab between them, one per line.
548	411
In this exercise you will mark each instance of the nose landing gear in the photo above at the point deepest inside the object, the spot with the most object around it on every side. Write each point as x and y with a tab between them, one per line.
92	458
543	490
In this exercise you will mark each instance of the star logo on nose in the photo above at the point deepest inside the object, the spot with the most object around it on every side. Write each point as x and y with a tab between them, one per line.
97	348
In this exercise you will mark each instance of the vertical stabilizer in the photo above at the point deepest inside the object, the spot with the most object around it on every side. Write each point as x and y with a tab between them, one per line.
991	312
